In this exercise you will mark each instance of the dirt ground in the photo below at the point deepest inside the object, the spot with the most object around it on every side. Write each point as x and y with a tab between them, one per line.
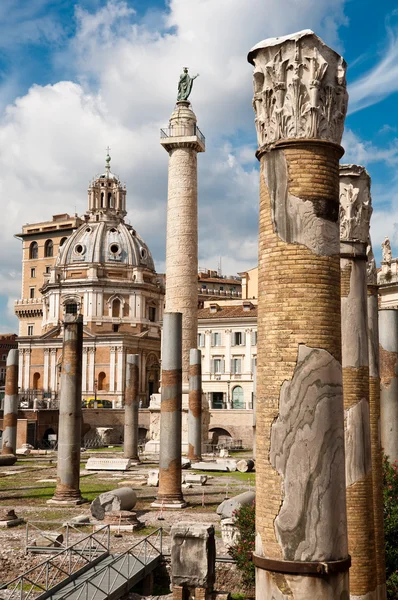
26	486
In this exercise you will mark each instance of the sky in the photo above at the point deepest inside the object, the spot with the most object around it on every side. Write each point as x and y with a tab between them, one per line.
79	75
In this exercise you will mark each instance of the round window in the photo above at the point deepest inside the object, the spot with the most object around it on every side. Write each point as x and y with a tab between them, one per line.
113	230
114	248
79	249
144	253
88	229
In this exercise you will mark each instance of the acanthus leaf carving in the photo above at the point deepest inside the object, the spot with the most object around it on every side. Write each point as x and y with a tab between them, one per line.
355	203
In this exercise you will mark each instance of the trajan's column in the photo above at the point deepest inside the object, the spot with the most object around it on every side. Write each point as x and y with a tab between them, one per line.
183	140
355	213
300	102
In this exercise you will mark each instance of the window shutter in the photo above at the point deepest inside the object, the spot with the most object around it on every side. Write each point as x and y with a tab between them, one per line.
232	366
233	339
253	364
213	340
222	366
243	338
219	339
239	365
212	366
254	341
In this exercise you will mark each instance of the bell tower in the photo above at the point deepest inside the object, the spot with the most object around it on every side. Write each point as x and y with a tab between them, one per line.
106	195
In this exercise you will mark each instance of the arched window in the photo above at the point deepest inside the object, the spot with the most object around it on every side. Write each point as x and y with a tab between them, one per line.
116	308
36	381
102	381
102	200
110	200
34	250
49	249
62	242
237	397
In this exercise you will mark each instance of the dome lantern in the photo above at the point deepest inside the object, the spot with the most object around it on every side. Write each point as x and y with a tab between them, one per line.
106	195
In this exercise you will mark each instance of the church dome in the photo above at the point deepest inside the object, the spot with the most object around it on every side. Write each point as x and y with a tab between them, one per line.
105	242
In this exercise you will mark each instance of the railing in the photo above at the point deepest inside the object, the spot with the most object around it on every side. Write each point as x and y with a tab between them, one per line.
182	131
64	566
215	292
122	569
71	535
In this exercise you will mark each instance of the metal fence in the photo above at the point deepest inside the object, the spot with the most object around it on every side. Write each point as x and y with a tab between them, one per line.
39	540
182	131
62	567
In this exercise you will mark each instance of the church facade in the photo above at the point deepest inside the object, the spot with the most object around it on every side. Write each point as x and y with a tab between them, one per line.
99	266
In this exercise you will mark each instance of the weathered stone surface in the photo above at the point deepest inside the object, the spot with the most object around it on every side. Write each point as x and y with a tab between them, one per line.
185	463
153	478
193	555
229	532
116	500
78	520
355	203
210	466
245	465
307	412
196	479
108	464
227	508
48	541
357	442
299	89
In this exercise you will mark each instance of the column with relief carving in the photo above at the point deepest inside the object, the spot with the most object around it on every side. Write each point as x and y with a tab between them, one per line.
375	437
300	102
355	213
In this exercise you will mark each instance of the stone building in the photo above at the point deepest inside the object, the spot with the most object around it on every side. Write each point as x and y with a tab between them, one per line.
97	265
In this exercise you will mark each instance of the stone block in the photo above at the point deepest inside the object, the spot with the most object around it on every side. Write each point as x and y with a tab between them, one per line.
153	478
78	520
194	478
229	532
211	466
193	556
108	464
116	500
227	508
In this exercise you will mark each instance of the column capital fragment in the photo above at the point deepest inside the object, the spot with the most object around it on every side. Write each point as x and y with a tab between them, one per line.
355	204
299	89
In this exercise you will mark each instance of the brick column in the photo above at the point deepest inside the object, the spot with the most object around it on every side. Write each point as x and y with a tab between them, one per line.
374	402
388	346
131	406
355	212
300	104
67	490
183	141
195	405
10	418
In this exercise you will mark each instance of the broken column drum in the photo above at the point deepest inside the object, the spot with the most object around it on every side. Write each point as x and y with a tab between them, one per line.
183	140
131	406
11	404
300	102
375	437
355	213
195	405
170	491
70	413
388	346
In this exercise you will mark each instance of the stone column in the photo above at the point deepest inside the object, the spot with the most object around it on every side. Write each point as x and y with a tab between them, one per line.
131	405
183	141
67	490
170	492
355	212
375	438
300	102
10	413
388	331
195	405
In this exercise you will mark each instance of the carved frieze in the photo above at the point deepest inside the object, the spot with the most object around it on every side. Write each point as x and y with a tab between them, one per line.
355	203
299	89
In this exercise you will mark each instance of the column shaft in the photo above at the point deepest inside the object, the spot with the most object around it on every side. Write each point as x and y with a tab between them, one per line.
360	519
377	455
131	405
70	414
10	418
170	492
195	405
388	331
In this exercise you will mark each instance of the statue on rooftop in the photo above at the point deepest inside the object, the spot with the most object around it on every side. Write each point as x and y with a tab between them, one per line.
386	250
185	85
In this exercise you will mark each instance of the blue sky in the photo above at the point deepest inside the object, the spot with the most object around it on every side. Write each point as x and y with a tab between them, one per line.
76	76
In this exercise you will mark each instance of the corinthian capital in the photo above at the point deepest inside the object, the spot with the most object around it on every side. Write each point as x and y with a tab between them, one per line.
355	203
299	89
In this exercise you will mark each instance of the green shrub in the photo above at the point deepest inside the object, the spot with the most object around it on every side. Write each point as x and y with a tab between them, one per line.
241	552
390	493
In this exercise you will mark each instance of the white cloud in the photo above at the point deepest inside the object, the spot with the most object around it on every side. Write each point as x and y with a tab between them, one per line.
53	139
364	152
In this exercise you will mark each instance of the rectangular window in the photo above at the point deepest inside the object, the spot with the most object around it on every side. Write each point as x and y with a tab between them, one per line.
30	329
238	338
152	313
115	328
33	273
48	269
236	366
216	339
32	293
201	340
217	366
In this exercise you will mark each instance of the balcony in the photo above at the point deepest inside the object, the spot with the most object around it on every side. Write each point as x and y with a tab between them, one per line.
182	135
29	307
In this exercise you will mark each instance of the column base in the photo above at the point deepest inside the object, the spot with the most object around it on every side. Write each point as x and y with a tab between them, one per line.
169	504
67	502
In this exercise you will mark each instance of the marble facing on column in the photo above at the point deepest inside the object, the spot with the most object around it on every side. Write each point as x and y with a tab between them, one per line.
300	103
388	349
170	491
195	405
355	213
67	490
183	144
10	417
131	407
374	403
